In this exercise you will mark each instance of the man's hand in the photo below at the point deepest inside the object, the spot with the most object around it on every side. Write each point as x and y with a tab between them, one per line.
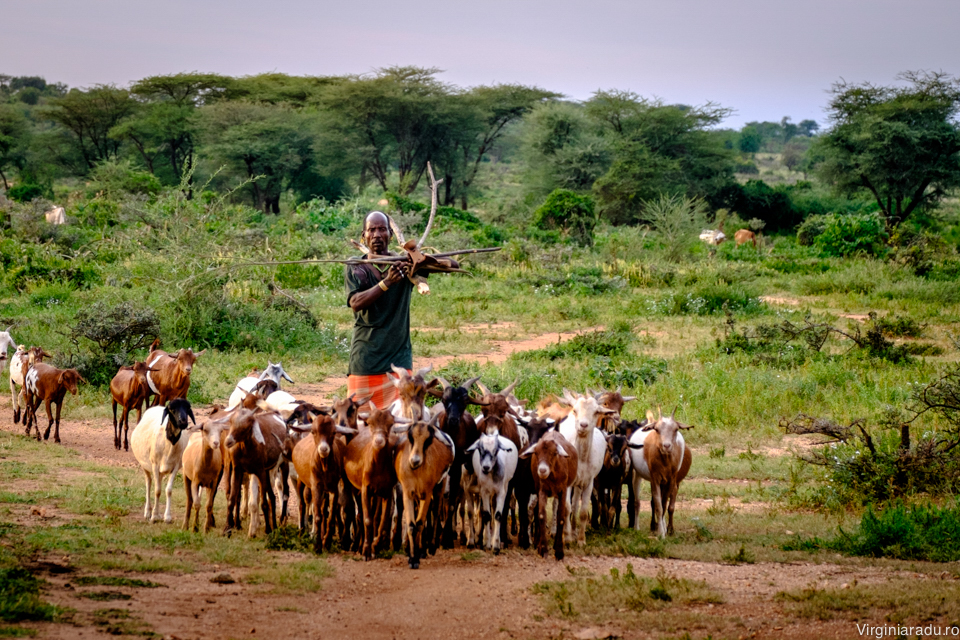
397	272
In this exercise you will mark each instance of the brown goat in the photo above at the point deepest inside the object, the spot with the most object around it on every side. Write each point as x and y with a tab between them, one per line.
254	446
46	383
129	390
202	466
553	465
665	461
318	459
368	468
412	391
613	400
744	236
19	365
421	459
172	377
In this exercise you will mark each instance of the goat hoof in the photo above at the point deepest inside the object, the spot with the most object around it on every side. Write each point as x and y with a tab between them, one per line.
496	551
558	555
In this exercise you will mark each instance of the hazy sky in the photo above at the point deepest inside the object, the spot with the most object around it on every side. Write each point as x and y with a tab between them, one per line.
764	58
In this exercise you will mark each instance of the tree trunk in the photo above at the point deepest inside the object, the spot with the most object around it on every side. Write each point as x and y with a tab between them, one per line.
905	437
4	177
448	190
463	200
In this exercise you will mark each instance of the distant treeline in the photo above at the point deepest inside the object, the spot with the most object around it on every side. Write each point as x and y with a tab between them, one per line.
328	136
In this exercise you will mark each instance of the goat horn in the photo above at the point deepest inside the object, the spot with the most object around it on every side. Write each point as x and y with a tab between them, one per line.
425	370
443	382
483	388
469	383
674	411
510	388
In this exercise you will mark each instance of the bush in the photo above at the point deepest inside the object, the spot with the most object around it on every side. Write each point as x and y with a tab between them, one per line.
570	212
114	179
678	221
25	192
708	300
854	234
918	532
323	216
596	343
810	229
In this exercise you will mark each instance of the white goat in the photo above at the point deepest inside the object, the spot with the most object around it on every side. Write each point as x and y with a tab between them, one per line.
580	429
158	442
272	372
16	380
493	459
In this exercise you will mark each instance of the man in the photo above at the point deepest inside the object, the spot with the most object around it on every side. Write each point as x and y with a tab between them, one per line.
380	299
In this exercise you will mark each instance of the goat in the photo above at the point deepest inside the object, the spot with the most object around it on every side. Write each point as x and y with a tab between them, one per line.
254	446
714	237
421	460
172	377
744	236
318	459
345	414
412	391
273	372
553	461
580	430
47	384
613	400
494	462
158	442
6	342
608	484
664	461
462	429
523	483
203	469
129	390
19	365
499	405
369	468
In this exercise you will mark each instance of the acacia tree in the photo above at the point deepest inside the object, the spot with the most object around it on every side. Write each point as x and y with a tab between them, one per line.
271	145
164	128
657	149
89	116
14	138
900	143
397	119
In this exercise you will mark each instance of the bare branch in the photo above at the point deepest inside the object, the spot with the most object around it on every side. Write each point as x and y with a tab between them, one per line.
433	205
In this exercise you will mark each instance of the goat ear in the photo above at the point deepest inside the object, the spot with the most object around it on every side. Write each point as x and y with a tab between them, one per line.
436	393
472	447
629	398
634	446
402	420
650	426
684	426
550	421
363	401
82	379
190	413
650	418
479	403
562	451
605	410
347	431
165	416
433	383
526	453
200	353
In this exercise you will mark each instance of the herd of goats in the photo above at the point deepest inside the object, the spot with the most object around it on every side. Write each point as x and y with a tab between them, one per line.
408	475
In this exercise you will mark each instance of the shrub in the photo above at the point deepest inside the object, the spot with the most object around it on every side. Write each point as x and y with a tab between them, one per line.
323	216
810	229
572	213
847	235
25	192
708	300
596	343
918	532
114	179
678	221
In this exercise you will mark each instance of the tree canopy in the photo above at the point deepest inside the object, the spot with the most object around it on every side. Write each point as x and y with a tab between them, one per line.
899	143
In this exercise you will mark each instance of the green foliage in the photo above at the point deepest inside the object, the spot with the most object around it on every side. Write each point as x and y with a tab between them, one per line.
324	217
289	538
915	532
116	331
626	372
25	192
678	221
897	144
596	343
708	300
811	228
20	597
587	281
846	235
570	212
113	179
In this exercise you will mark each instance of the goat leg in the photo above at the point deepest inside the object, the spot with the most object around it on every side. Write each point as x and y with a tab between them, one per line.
188	511
672	498
56	432
558	536
116	427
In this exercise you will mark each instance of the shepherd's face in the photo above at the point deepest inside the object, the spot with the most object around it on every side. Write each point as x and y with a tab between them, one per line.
376	233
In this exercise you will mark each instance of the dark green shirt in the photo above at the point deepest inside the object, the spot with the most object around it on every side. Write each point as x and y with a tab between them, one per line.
381	332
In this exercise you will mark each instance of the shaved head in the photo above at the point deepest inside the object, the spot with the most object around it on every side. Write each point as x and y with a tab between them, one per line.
379	216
